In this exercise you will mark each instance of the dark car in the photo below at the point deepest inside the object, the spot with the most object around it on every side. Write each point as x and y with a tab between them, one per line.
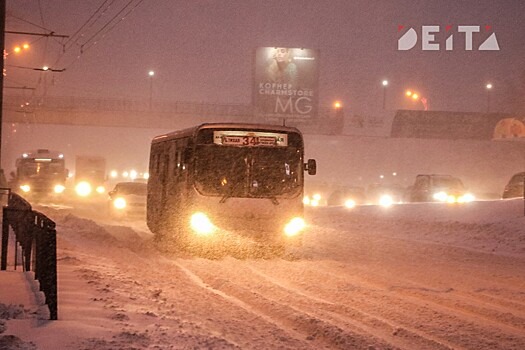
128	199
438	188
514	187
347	196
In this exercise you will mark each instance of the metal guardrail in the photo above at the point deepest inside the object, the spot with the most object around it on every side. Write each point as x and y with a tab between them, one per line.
35	233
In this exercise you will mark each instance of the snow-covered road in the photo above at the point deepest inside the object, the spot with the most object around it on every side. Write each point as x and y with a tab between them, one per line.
418	276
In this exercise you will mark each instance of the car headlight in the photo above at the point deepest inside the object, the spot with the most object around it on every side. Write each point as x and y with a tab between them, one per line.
100	189
294	226
386	200
26	188
201	224
59	188
466	198
306	200
440	196
350	203
119	203
83	189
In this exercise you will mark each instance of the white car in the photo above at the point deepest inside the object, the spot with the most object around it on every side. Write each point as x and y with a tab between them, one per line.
128	199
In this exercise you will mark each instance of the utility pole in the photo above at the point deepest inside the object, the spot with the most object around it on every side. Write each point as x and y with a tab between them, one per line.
3	181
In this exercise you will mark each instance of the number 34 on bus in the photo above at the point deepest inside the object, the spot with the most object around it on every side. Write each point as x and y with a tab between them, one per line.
243	178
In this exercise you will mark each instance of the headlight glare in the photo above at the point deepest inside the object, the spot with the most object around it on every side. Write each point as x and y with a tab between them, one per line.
26	188
466	198
119	203
386	200
294	226
350	203
440	196
59	188
201	224
83	189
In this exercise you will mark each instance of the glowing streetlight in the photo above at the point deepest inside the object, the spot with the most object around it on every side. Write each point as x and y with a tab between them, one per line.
489	87
18	48
385	84
415	96
150	74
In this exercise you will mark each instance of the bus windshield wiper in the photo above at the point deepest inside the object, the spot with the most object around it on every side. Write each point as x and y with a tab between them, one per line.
229	192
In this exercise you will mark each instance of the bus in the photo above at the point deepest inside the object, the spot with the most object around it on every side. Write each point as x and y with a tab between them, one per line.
228	177
40	174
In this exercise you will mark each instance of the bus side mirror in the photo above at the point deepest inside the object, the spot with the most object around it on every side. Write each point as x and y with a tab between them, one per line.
311	167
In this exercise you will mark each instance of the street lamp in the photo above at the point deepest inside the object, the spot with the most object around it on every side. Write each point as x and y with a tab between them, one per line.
415	96
489	87
385	84
151	74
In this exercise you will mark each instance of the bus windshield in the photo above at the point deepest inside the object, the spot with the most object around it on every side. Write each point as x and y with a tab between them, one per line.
34	168
248	171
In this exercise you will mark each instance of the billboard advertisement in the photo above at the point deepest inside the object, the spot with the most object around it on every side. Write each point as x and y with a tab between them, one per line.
458	125
286	82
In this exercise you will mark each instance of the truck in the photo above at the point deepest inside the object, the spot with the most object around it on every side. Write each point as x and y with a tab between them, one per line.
40	173
90	175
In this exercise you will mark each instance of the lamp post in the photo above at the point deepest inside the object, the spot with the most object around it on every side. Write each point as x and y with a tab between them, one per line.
150	74
489	87
385	84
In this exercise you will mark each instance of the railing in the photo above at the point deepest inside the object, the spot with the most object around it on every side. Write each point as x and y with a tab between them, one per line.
35	233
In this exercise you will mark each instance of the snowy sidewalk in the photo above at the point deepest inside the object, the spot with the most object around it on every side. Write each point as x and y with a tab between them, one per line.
18	306
15	288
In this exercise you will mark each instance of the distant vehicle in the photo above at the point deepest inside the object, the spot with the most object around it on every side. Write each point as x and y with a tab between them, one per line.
128	199
514	187
348	196
244	178
316	194
90	175
384	194
40	174
438	188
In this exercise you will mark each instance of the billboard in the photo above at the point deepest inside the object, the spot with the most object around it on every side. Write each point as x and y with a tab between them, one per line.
286	82
458	125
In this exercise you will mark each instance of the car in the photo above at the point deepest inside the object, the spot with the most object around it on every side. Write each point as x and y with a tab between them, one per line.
514	187
349	196
128	199
384	194
438	188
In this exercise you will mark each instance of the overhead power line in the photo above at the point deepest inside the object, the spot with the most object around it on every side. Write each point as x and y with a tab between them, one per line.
51	34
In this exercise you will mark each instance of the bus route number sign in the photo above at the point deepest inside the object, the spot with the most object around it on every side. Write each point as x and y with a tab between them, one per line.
244	138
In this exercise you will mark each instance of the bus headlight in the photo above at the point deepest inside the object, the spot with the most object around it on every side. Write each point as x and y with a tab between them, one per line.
100	189
294	226
119	203
59	188
201	224
83	189
26	188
